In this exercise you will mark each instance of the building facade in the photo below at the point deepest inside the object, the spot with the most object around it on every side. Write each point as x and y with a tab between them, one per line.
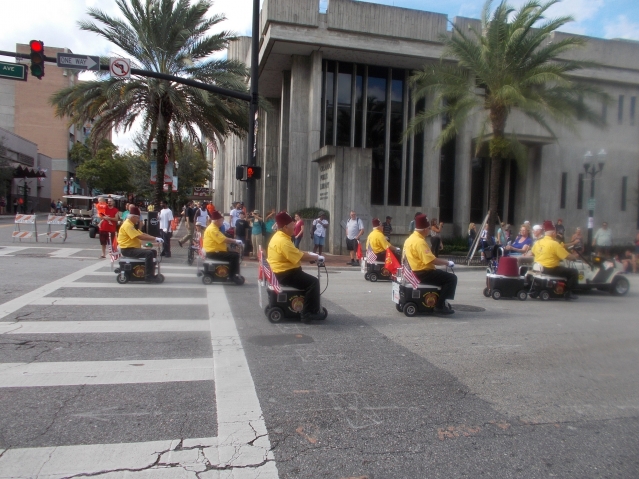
337	85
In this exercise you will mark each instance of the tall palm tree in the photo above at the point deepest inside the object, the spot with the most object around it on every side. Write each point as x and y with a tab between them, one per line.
166	36
516	63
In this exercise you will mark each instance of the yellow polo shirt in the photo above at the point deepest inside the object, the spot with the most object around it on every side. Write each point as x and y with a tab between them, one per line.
418	253
282	253
377	241
214	240
128	237
548	252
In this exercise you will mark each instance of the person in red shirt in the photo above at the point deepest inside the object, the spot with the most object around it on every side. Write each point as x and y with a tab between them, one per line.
108	225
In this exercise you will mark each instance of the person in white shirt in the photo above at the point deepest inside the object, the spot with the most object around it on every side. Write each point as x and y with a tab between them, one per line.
319	236
235	213
166	217
354	230
201	218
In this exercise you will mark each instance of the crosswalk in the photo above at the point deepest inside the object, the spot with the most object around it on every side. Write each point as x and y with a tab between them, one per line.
53	251
95	395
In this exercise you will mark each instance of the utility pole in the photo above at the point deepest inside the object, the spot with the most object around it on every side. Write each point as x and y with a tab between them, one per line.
252	132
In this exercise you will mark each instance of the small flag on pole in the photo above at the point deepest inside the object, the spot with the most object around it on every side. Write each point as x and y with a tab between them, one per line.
410	276
114	251
370	256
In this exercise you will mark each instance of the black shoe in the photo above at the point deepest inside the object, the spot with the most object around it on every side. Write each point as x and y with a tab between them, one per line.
308	317
351	263
446	309
571	296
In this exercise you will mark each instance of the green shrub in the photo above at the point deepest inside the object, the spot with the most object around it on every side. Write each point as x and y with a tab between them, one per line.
311	213
459	243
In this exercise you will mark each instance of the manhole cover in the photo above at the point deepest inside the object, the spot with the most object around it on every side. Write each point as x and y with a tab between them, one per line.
280	339
467	308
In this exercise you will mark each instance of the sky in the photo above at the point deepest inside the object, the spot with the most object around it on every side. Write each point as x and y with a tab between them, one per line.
56	22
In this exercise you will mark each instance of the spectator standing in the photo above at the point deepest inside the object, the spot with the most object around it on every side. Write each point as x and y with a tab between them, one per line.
58	206
435	237
354	230
411	225
257	232
52	206
108	225
603	240
472	234
319	235
298	230
269	223
500	237
242	231
387	228
166	217
189	217
560	231
226	223
235	214
201	218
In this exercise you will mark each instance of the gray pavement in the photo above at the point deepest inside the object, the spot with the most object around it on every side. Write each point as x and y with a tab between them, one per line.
183	380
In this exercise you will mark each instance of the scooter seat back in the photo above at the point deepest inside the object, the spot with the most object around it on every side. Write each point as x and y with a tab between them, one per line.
285	289
127	264
216	261
538	273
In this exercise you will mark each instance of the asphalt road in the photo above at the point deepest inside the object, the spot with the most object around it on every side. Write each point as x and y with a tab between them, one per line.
182	381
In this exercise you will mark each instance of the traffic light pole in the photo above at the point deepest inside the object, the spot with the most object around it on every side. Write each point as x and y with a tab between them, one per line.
252	133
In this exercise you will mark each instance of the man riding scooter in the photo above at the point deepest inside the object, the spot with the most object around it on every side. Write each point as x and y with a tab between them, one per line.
285	261
130	241
214	244
378	242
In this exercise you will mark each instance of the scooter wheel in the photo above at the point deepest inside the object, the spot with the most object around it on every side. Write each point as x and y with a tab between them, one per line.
496	294
239	280
544	295
367	276
206	279
116	270
275	315
122	278
373	277
487	292
522	295
399	308
620	286
324	313
410	309
159	278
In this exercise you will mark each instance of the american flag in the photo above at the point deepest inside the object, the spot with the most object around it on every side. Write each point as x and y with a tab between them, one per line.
370	256
114	251
269	275
409	275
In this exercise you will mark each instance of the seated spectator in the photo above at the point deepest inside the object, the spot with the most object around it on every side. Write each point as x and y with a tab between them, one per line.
521	245
629	261
577	242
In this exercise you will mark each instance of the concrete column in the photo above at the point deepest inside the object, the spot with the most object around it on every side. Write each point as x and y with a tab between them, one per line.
218	168
463	176
314	125
299	133
269	157
282	169
430	179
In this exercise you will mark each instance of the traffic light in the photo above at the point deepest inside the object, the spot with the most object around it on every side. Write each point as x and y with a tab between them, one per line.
245	172
37	58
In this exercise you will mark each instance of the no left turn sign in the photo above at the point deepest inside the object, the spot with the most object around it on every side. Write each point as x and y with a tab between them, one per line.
120	67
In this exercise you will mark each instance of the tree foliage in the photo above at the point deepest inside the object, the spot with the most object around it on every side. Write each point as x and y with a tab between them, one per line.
514	60
106	171
166	36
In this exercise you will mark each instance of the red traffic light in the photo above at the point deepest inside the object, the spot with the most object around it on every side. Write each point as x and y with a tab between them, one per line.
36	45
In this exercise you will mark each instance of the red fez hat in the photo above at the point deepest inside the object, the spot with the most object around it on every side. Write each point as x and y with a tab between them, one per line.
282	219
548	226
376	222
134	210
216	215
421	222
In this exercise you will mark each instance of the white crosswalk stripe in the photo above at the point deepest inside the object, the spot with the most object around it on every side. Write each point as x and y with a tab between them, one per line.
241	448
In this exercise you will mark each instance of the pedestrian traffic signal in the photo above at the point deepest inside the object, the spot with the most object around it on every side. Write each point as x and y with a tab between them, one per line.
245	172
37	58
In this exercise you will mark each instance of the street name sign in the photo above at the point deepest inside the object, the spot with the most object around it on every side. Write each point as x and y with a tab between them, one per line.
591	203
78	62
13	71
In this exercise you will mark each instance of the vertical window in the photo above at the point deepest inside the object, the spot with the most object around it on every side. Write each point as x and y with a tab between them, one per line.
359	105
329	104
624	192
418	158
633	104
376	129
447	182
620	110
604	111
564	184
344	101
580	192
396	130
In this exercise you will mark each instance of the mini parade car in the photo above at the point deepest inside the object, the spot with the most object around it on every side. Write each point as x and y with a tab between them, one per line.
217	271
412	301
286	304
134	269
375	271
507	282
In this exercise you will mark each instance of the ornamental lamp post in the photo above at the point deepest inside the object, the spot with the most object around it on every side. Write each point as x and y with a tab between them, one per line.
592	170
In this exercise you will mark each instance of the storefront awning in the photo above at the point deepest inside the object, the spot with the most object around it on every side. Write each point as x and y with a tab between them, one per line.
24	172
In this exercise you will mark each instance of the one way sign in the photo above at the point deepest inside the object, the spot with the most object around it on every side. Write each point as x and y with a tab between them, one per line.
78	62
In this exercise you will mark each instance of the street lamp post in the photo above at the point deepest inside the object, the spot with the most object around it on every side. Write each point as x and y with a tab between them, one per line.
592	170
68	185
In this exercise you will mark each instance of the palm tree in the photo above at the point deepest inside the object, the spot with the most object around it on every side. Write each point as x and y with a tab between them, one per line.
166	36
514	60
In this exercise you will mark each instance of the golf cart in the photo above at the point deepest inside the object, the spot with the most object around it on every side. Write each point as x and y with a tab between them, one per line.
602	274
80	211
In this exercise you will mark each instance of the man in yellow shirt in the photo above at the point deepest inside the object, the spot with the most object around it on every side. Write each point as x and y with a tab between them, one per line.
214	244
422	261
130	241
548	252
378	242
286	263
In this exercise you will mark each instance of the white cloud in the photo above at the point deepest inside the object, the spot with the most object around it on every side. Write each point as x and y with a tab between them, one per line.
622	28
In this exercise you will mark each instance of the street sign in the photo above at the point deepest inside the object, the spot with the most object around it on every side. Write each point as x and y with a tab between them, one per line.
591	203
120	67
13	71
78	62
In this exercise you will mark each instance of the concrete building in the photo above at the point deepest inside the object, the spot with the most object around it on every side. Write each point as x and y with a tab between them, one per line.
25	111
337	84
